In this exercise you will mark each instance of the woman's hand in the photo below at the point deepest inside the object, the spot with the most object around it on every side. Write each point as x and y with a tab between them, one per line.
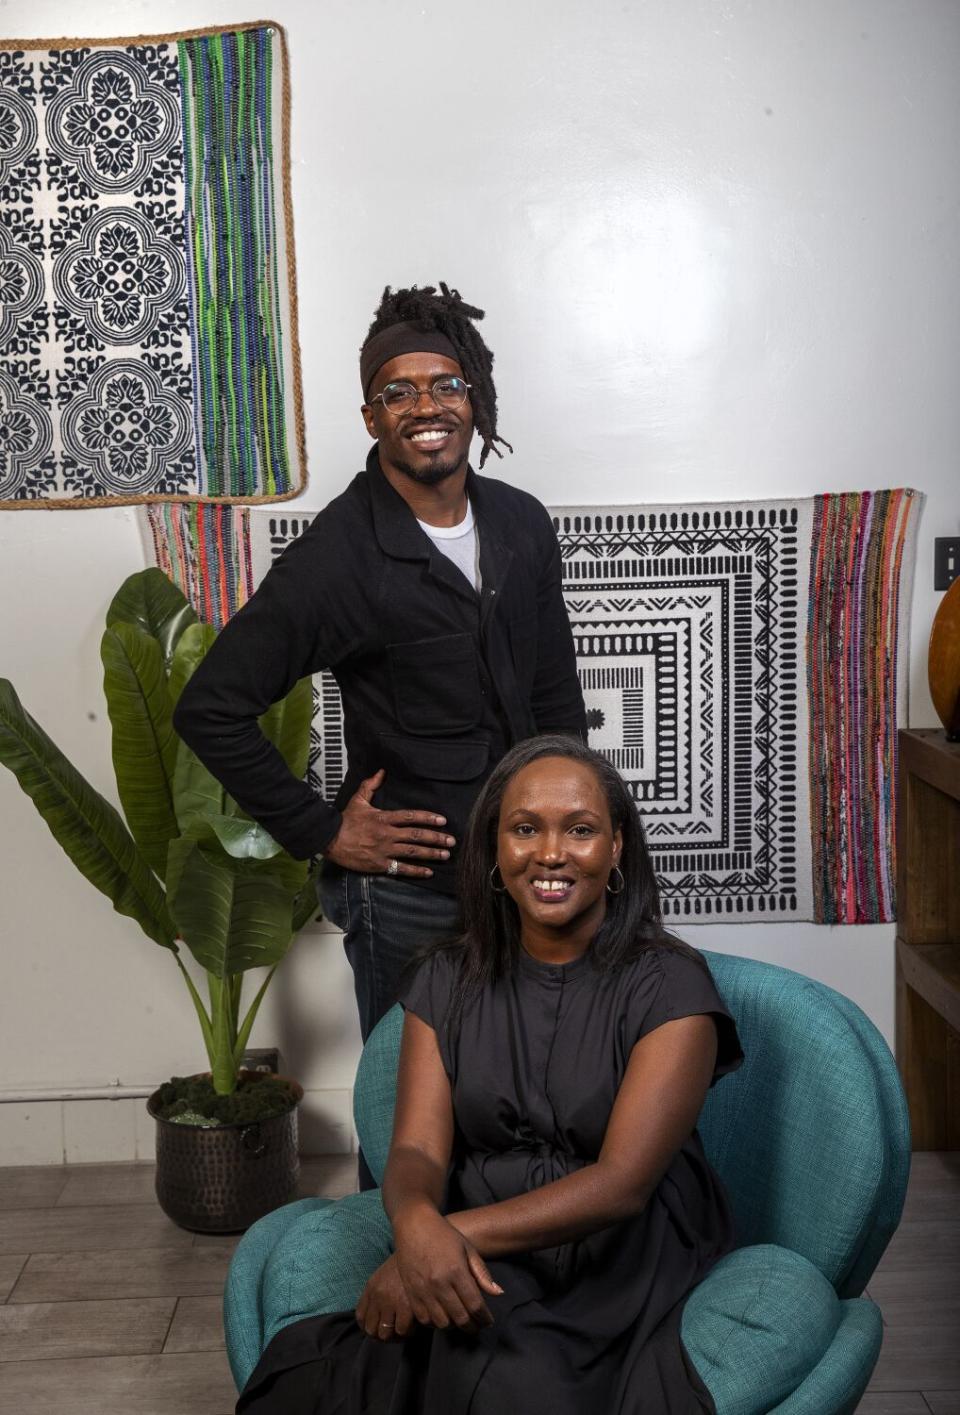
384	1310
444	1276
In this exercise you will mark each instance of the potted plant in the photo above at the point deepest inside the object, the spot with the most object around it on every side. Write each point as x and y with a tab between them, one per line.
190	868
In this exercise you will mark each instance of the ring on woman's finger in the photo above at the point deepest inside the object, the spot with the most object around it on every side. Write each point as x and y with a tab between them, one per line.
393	867
388	1325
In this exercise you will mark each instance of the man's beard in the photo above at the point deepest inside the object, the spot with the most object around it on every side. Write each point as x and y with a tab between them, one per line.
432	475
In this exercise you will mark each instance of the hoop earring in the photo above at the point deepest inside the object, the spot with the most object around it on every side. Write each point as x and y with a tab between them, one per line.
503	888
623	883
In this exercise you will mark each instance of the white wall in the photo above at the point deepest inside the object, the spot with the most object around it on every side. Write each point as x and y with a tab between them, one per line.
718	247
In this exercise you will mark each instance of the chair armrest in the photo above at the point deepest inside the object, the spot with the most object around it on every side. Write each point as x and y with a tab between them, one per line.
323	1259
836	1384
242	1307
766	1332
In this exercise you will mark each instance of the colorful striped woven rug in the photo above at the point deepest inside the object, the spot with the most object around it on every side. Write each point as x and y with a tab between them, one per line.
744	667
148	331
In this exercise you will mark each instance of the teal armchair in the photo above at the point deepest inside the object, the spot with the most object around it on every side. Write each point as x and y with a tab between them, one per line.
811	1138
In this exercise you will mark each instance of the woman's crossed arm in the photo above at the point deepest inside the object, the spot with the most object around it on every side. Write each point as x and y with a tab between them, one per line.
440	1260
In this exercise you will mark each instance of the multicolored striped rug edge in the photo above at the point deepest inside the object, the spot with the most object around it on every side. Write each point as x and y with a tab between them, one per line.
204	549
856	677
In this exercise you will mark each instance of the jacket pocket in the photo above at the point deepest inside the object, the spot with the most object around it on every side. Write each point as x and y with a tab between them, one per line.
425	760
523	649
436	684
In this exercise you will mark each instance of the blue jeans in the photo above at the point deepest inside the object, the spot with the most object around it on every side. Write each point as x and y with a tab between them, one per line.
386	922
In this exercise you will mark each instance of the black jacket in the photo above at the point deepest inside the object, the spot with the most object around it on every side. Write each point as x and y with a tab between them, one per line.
437	682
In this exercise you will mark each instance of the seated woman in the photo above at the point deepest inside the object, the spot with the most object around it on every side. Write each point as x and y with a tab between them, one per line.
551	1203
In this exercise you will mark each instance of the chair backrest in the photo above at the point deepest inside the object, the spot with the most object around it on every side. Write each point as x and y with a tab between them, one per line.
810	1136
375	1090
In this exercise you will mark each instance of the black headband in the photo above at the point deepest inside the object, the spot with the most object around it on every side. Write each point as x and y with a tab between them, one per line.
405	338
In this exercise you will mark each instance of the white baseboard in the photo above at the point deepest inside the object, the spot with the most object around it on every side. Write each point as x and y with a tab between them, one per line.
100	1131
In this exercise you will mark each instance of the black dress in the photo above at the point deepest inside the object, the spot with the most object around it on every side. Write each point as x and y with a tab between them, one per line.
587	1327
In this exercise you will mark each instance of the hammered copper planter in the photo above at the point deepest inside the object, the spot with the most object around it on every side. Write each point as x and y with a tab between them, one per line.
222	1178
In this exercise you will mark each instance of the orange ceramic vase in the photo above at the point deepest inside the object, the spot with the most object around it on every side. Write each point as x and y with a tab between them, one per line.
944	662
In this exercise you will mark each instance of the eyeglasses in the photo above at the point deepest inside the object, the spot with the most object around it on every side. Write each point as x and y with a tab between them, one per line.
447	392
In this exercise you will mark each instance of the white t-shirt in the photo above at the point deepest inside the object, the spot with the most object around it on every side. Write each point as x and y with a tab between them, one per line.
459	544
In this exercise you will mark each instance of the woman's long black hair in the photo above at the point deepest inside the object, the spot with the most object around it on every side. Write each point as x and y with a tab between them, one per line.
489	923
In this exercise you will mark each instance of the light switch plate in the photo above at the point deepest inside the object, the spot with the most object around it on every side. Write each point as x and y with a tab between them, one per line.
946	561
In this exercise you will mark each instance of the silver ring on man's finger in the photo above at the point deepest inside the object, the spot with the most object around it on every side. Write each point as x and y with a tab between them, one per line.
394	867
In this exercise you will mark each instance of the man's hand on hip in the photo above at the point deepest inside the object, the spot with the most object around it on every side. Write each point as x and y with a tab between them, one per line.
373	842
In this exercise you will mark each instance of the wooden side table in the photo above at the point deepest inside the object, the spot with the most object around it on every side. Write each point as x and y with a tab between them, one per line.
928	935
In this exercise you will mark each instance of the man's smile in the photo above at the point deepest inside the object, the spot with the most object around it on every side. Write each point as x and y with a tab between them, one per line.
430	439
440	436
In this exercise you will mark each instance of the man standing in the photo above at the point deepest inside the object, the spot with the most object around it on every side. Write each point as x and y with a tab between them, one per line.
433	596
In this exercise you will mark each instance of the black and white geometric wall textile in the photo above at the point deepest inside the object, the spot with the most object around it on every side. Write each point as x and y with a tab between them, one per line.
745	666
689	631
687	628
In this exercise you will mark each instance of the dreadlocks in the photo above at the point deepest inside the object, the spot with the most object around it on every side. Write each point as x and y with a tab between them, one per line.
451	316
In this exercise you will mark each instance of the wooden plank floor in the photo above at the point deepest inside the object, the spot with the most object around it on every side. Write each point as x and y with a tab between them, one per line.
107	1308
917	1287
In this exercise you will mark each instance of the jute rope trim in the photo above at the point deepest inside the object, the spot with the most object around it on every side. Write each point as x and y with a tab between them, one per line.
92	503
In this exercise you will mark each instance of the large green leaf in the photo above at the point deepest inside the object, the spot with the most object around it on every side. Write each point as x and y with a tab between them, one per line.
232	914
244	839
287	726
293	873
153	603
240	837
190	651
144	742
196	791
81	821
